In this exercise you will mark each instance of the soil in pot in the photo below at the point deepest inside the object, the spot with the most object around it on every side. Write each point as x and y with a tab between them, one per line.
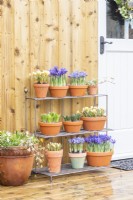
72	127
15	170
54	159
50	129
77	160
58	91
94	123
99	159
79	90
41	90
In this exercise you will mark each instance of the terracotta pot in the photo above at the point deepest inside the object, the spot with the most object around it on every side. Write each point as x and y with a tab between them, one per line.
58	91
92	90
15	170
72	127
94	123
50	128
79	90
14	151
41	90
98	159
77	160
54	159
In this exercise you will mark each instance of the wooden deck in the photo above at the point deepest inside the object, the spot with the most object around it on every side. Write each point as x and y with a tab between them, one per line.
108	184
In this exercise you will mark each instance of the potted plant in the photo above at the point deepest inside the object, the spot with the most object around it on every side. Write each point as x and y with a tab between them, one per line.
72	123
93	118
92	87
58	85
16	157
76	152
41	83
50	123
99	150
78	85
54	154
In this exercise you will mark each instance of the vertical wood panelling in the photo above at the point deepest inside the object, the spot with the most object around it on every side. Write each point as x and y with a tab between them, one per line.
42	34
21	52
7	67
1	13
36	48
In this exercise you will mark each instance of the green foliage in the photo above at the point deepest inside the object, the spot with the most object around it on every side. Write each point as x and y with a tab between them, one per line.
50	117
92	82
92	112
41	77
8	139
125	8
72	118
52	146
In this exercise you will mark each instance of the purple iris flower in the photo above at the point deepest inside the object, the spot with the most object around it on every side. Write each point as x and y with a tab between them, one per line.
99	139
77	74
55	71
76	140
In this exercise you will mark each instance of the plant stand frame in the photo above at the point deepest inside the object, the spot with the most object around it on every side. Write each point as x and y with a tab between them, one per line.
66	168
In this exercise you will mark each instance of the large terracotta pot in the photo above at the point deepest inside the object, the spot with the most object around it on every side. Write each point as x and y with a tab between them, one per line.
50	129
72	127
92	90
98	159
79	90
77	160
54	159
58	91
41	90
15	170
93	123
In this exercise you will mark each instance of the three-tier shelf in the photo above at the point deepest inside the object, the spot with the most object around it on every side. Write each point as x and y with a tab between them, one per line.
66	168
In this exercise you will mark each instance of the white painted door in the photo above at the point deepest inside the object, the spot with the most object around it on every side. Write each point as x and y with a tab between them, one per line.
117	62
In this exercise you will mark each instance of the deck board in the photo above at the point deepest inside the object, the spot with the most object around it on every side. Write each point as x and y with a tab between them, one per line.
107	184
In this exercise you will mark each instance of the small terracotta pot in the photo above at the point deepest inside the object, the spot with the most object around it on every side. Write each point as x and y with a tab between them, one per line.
77	160
58	91
50	128
98	159
72	127
79	90
41	90
92	90
54	159
93	123
15	170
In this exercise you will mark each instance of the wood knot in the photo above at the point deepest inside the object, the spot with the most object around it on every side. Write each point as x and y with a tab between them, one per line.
16	52
1	2
9	4
37	19
12	110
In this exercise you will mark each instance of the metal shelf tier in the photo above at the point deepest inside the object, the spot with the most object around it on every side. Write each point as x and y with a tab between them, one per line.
65	134
66	97
65	169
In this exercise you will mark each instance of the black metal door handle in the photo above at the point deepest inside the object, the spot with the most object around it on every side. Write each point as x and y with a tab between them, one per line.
102	43
107	42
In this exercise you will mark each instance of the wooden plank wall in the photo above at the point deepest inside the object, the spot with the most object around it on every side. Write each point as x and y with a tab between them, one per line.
41	34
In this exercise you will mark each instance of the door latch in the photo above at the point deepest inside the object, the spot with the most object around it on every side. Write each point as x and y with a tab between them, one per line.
102	43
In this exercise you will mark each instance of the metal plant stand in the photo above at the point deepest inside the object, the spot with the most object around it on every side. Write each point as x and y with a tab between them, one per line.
66	168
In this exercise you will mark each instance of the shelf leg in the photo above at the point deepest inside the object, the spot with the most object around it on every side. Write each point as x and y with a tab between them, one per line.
26	119
51	179
94	101
35	128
